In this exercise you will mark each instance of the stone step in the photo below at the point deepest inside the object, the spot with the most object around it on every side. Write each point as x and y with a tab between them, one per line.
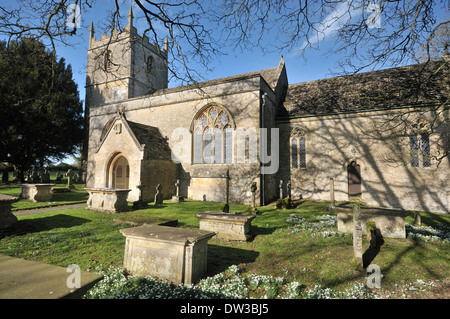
25	279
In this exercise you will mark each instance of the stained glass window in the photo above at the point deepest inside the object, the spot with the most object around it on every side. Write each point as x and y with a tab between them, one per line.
298	149
198	141
207	146
426	159
414	145
218	145
213	137
294	154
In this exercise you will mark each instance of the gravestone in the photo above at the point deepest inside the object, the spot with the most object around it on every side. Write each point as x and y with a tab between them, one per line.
59	177
140	204
45	176
357	239
108	200
281	189
34	175
417	219
226	225
390	222
177	198
178	255
69	176
253	189
288	188
37	192
7	219
158	195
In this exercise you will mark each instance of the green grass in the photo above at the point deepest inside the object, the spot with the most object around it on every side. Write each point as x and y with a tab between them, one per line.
77	195
93	240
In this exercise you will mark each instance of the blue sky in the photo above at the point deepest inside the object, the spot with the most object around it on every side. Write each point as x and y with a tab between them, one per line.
319	63
317	66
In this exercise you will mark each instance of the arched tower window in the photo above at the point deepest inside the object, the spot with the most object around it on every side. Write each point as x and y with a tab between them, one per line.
298	149
213	137
149	65
107	62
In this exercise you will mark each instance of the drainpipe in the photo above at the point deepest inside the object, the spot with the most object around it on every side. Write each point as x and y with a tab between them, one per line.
261	148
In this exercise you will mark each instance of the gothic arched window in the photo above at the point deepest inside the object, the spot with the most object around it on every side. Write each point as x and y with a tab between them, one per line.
213	137
298	149
419	143
107	62
149	66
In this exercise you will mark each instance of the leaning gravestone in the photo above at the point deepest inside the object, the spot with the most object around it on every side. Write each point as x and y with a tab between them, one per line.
357	238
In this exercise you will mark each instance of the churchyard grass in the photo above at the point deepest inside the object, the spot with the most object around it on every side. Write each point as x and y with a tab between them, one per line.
301	247
77	195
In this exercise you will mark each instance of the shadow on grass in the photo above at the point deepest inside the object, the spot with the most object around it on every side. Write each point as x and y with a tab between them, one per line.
222	257
23	227
257	230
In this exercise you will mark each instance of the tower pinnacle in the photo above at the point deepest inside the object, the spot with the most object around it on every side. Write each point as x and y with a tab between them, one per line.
130	18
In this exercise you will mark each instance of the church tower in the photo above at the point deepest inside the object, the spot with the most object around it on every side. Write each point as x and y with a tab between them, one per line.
123	65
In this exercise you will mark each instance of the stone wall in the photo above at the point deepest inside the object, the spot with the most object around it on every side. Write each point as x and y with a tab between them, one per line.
388	180
154	172
173	109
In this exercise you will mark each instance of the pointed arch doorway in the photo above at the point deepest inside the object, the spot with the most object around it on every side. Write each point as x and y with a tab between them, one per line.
120	172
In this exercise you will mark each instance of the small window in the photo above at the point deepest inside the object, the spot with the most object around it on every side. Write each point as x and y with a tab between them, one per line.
298	149
107	62
149	66
419	144
414	146
426	158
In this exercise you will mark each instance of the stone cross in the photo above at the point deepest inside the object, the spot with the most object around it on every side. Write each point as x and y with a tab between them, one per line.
281	189
140	204
253	188
140	187
357	238
417	219
288	188
177	188
158	195
69	175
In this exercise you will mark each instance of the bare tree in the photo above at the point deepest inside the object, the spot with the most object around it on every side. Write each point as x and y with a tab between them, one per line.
368	34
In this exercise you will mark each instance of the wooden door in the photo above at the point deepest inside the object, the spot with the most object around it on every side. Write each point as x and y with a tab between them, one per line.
354	179
121	173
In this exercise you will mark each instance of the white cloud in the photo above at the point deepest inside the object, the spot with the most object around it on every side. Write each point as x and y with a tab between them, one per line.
332	23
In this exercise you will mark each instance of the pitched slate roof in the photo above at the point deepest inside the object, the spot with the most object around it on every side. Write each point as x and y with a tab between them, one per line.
414	85
155	144
271	76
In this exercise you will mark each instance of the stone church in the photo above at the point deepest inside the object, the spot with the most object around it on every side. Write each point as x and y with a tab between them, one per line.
381	136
